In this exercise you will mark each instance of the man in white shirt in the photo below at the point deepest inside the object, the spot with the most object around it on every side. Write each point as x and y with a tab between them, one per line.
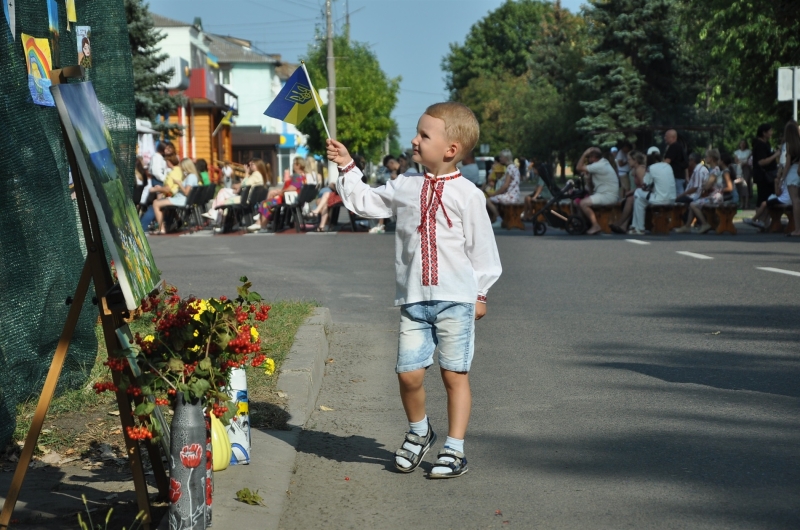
699	177
660	180
603	182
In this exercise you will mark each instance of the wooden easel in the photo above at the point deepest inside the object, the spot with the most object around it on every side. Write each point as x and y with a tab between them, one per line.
112	310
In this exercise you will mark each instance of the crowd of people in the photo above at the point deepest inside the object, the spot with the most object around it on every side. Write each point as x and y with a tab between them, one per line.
759	177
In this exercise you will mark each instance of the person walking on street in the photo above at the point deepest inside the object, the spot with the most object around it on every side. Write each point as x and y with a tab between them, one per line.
446	260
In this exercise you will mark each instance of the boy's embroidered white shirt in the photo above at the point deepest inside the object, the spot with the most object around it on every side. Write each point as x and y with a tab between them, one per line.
449	253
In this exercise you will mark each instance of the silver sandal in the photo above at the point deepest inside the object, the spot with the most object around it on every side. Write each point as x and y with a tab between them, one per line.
458	466
423	441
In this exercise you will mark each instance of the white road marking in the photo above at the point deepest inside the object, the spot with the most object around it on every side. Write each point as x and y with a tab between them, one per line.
637	241
693	255
779	271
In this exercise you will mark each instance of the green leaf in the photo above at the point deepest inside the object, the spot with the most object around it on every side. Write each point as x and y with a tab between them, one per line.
254	297
144	408
249	497
199	387
175	365
205	364
243	279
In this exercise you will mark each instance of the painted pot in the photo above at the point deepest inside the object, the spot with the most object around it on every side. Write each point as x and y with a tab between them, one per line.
187	468
239	428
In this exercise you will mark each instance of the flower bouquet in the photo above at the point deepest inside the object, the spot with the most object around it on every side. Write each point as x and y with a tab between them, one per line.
193	346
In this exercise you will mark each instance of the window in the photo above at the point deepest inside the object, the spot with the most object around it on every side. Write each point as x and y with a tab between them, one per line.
226	77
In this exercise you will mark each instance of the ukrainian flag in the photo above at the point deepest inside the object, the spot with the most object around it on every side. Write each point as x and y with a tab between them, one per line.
295	100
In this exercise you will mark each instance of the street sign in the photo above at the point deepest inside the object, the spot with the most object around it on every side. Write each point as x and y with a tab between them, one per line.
789	86
785	88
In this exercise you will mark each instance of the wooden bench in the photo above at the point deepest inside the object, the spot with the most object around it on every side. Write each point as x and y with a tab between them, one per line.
660	219
538	204
721	217
776	214
606	215
511	215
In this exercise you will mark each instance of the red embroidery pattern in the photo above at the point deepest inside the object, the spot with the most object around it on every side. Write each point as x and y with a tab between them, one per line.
348	167
427	225
482	298
426	265
434	272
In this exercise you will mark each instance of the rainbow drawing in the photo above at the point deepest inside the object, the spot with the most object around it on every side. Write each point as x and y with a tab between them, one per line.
37	59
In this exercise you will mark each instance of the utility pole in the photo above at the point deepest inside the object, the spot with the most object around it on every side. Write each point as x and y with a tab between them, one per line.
347	19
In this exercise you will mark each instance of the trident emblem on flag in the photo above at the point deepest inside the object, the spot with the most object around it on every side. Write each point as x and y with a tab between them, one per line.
299	94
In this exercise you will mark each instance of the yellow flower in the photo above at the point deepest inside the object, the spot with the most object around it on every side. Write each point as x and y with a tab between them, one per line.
201	306
269	367
149	338
253	333
194	348
196	333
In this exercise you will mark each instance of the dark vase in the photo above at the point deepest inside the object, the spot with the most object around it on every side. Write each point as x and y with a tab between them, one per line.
209	484
187	469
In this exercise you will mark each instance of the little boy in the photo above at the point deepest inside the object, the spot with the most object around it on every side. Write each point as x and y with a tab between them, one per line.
446	261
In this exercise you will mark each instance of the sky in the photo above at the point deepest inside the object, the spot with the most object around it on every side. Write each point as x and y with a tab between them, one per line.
409	37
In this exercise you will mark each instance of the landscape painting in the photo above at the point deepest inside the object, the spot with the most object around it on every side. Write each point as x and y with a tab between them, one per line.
89	138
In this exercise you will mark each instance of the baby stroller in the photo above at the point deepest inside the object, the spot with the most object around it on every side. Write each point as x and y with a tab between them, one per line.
573	224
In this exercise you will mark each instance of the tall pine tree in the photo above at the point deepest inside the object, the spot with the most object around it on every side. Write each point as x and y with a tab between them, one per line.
152	99
632	74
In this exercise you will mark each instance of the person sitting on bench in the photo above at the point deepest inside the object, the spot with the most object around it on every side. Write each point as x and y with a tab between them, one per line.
660	181
711	194
604	183
637	164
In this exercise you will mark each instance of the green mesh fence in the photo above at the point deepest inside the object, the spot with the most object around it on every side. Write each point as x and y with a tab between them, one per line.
41	249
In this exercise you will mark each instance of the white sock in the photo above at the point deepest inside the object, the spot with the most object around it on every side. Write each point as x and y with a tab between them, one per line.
451	443
420	428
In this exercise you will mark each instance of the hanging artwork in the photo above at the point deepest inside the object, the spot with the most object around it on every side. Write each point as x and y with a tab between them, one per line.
37	59
84	35
52	16
90	140
71	15
10	12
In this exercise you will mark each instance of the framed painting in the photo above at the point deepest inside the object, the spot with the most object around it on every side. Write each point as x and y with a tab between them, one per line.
90	140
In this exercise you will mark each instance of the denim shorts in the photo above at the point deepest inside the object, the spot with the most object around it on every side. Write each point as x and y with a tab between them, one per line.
426	325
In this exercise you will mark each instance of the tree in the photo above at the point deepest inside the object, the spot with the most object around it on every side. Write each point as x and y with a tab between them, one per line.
632	75
744	41
151	97
364	101
496	44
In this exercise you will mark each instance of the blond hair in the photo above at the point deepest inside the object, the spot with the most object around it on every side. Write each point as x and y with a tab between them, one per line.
188	167
301	163
460	124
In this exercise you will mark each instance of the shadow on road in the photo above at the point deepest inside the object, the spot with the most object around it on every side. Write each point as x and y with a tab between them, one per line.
354	448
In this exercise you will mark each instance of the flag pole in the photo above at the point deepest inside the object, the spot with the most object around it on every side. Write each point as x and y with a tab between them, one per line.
314	97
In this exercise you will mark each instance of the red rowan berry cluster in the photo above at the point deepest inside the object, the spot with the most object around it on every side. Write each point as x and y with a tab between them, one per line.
139	433
188	369
103	387
218	410
134	391
115	364
162	401
258	360
262	313
241	344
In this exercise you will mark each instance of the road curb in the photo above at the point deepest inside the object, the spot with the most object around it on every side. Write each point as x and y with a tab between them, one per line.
302	371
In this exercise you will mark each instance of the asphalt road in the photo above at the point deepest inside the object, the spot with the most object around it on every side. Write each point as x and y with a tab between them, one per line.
616	384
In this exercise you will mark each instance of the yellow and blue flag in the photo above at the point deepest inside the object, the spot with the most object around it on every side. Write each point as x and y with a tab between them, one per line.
295	100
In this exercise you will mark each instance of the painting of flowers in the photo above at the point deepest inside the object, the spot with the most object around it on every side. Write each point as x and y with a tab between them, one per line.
91	142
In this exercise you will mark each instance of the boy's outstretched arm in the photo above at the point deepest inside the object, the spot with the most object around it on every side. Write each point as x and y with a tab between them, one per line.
481	249
372	203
